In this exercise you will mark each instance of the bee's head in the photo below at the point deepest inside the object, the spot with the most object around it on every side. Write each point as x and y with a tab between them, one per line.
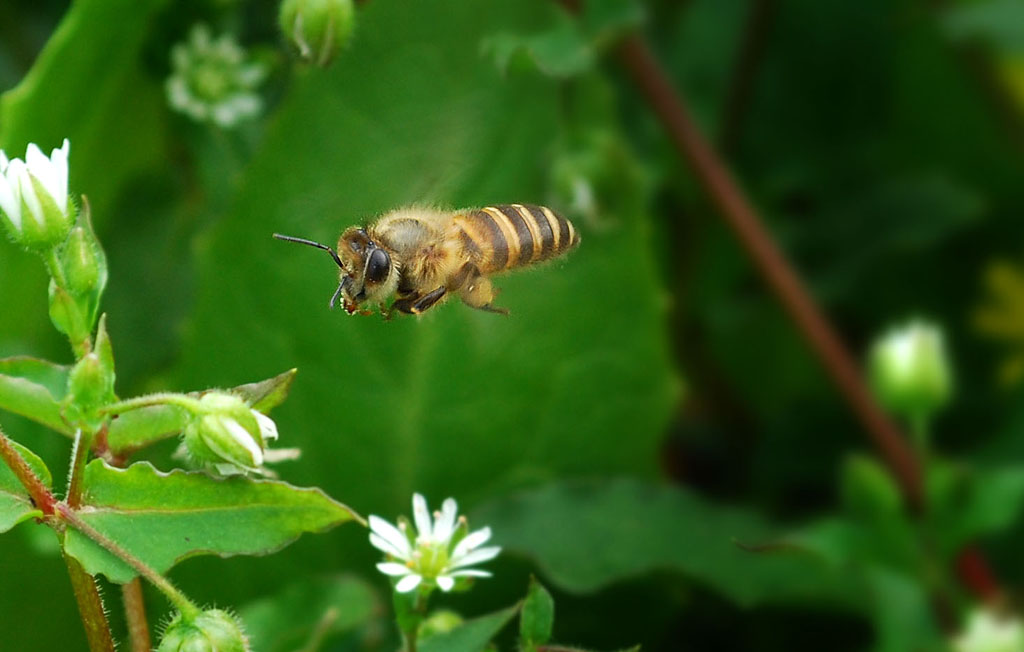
367	271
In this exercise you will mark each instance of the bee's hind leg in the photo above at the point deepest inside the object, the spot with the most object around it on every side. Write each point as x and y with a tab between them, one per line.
424	303
479	293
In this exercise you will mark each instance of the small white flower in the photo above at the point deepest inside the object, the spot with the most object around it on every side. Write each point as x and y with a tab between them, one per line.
212	80
988	633
910	369
437	553
36	188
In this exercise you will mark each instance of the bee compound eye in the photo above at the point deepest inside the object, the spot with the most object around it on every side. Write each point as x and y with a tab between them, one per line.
378	266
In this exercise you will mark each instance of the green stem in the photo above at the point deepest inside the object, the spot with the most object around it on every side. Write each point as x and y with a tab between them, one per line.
149	400
90	607
79	458
919	434
54	267
177	598
41	496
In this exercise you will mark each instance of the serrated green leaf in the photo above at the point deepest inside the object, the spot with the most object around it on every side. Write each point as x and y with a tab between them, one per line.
15	503
629	528
471	636
163	518
267	394
317	609
538	616
34	388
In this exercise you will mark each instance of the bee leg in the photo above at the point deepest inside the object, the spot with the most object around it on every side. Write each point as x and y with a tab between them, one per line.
429	299
479	293
405	304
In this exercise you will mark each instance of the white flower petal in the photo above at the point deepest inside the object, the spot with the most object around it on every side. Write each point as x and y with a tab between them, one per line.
268	429
380	543
444	525
274	455
245	438
420	513
3	161
445	583
471	540
469	572
397	541
10	201
408	583
59	158
20	174
475	557
394	569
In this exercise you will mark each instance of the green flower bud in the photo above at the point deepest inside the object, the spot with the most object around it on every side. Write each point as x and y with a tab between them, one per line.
441	621
317	28
227	434
213	630
91	381
67	315
910	370
85	265
34	202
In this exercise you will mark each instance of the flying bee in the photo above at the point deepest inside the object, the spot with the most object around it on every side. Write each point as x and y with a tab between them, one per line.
422	255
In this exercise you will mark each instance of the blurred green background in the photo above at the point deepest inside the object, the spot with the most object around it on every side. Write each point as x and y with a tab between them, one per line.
881	140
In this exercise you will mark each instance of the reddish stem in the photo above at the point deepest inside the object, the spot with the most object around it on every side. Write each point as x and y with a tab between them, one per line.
40	495
135	614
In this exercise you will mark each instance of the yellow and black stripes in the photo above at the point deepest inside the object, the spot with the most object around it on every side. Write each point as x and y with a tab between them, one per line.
513	235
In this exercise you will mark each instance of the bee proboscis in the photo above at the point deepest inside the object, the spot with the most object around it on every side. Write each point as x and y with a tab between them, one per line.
423	255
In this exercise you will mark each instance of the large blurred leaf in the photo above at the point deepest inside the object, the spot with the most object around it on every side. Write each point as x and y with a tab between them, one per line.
15	503
163	518
458	402
587	535
312	610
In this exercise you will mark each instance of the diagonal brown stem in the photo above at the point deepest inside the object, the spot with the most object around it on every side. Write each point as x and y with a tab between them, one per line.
90	607
654	84
40	495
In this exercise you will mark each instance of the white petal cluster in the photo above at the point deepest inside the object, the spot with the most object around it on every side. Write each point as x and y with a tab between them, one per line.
910	369
212	79
22	180
439	551
986	632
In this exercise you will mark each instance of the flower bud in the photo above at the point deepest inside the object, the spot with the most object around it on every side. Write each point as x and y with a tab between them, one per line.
317	28
91	381
68	315
910	370
213	630
990	632
227	434
85	265
34	202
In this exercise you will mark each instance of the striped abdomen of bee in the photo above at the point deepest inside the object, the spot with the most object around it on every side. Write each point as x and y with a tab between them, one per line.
507	236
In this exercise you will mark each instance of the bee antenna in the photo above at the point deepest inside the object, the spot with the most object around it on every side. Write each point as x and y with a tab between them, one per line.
311	243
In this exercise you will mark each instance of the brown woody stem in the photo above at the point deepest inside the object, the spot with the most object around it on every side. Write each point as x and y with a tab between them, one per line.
135	615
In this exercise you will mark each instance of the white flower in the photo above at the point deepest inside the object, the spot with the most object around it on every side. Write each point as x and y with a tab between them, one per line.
212	80
437	553
987	633
36	188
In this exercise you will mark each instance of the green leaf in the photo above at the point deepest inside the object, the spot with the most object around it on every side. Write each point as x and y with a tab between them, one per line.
965	504
902	613
163	518
15	503
267	394
538	616
458	402
561	51
868	489
308	612
139	428
471	636
34	388
629	528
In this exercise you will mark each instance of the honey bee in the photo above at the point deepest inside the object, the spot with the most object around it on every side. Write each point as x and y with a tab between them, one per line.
423	256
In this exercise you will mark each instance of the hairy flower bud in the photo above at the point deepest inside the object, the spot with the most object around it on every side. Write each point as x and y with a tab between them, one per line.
91	381
213	630
910	370
317	28
34	203
227	434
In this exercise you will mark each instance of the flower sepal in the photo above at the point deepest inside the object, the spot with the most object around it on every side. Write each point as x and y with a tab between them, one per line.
228	436
212	630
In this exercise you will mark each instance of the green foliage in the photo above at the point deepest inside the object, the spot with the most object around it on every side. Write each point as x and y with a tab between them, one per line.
310	613
35	389
15	503
537	617
631	528
163	518
471	636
